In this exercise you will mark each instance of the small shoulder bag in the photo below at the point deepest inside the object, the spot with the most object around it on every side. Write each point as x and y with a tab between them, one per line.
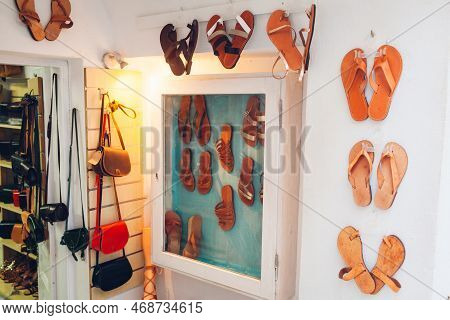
75	239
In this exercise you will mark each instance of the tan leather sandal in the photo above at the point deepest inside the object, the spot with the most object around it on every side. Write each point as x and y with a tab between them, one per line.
391	255
28	15
360	162
59	20
223	148
192	248
246	190
224	210
204	183
350	247
391	170
186	176
173	231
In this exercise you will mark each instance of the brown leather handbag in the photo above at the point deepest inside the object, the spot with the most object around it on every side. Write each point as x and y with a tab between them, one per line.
107	160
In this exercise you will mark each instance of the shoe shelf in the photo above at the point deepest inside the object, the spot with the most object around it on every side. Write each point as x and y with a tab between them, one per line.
9	126
5	164
248	256
10	207
8	292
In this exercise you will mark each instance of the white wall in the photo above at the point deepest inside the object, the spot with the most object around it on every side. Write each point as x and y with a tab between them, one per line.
416	121
88	39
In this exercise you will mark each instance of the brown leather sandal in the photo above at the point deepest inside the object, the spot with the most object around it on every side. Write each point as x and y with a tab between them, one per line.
391	255
241	34
192	248
184	125
172	49
218	37
28	15
360	160
224	210
186	176
350	247
246	190
202	126
223	148
311	14
250	121
59	20
173	231
261	128
205	178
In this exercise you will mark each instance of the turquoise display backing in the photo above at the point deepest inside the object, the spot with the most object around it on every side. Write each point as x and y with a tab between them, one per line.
239	249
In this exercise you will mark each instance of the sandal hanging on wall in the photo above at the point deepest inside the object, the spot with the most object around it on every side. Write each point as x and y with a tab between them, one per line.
28	15
171	49
218	37
59	20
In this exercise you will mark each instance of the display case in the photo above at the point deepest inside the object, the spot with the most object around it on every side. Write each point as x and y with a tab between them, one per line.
240	250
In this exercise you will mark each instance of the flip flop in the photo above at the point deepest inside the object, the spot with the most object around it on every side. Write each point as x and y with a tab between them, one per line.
350	247
391	170
224	210
59	20
360	162
280	33
246	190
354	79
171	49
205	177
223	148
173	231
184	126
202	126
192	248
384	77
189	49
218	37
186	176
28	15
311	13
391	255
241	33
250	121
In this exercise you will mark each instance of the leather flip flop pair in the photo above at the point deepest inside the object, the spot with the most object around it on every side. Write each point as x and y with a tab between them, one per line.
229	46
187	177
60	19
246	190
223	148
202	126
383	79
391	170
172	47
224	210
391	256
253	123
284	36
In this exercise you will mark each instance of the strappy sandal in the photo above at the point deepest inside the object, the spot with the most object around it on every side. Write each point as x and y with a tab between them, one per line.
202	126
205	177
189	48
172	49
311	14
28	15
59	20
186	176
224	210
173	231
350	247
391	255
384	77
192	248
184	125
261	117
223	148
218	37
390	173
360	160
241	35
250	121
354	79
246	190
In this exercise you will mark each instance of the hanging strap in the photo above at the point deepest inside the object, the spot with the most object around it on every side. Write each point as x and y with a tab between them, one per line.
75	128
53	102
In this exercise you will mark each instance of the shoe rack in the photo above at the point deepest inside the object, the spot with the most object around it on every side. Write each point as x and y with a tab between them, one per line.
10	250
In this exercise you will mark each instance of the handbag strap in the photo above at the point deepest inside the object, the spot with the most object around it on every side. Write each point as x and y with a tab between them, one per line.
75	128
53	102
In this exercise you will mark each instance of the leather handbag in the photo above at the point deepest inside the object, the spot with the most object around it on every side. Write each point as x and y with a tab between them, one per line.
112	274
24	169
75	239
17	233
109	161
53	212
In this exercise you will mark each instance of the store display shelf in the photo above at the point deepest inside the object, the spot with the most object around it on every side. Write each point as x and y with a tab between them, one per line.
10	207
9	126
5	164
8	292
16	247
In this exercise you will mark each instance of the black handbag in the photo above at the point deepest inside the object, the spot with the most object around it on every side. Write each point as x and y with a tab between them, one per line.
24	169
53	212
75	239
112	274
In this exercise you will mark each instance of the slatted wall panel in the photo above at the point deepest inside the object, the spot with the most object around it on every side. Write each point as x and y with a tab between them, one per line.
124	87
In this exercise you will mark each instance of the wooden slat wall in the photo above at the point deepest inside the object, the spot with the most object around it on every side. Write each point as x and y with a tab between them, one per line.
124	87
